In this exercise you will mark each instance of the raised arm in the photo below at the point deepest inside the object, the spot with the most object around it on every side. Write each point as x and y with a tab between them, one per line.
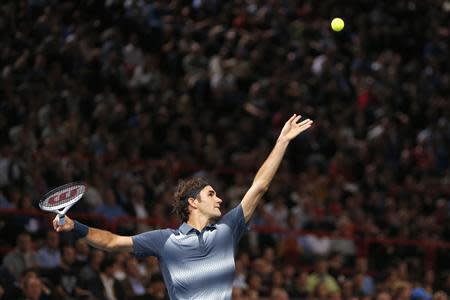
267	171
98	238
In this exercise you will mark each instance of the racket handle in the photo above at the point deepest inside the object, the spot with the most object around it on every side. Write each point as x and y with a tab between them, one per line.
61	220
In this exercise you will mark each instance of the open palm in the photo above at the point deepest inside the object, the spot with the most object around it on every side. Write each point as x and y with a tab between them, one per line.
292	127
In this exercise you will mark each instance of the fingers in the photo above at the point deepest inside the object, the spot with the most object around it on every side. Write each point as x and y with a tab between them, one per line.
292	118
56	225
302	126
306	126
296	119
304	122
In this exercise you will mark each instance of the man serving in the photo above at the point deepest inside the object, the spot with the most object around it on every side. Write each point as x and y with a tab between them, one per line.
197	259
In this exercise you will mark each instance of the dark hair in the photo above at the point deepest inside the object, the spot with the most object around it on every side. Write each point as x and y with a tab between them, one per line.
185	190
107	263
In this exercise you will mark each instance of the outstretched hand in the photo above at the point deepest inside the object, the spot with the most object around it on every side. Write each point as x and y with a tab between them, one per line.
292	128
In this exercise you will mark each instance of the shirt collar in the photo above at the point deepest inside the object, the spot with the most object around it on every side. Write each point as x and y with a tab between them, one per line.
185	228
210	227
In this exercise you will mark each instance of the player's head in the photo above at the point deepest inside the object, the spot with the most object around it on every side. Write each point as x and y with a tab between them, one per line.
196	195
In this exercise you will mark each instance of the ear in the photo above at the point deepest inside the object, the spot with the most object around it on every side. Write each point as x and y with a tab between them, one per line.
192	202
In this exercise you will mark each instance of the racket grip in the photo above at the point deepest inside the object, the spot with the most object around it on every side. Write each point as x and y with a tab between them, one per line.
61	220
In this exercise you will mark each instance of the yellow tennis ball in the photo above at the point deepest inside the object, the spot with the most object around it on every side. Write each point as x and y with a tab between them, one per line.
337	24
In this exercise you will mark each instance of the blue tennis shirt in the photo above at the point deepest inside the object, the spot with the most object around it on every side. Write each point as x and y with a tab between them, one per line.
196	265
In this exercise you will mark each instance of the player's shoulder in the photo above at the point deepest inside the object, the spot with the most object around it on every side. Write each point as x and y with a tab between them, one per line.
168	231
232	215
155	233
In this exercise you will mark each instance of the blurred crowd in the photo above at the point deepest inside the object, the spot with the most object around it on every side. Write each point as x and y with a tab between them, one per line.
130	96
48	269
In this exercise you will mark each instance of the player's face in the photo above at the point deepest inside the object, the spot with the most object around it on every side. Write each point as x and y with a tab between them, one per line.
209	203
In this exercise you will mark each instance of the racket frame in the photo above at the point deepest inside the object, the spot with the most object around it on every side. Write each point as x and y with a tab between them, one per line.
62	208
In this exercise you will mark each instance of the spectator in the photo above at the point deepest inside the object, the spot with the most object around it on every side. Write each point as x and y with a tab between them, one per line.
138	203
348	289
420	293
278	211
440	295
110	209
315	245
367	283
91	270
343	242
120	266
403	291
277	281
150	268
320	291
336	265
446	285
241	276
65	277
16	291
33	289
156	288
321	275
255	285
104	286
288	273
49	255
133	284
383	296
22	257
82	253
299	288
279	293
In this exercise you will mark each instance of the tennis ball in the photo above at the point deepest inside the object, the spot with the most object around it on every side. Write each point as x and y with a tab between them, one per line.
337	24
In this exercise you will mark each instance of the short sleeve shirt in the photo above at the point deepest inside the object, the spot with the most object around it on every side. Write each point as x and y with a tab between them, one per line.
196	265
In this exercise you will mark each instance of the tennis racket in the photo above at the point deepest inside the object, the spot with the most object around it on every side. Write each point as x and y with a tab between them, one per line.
61	199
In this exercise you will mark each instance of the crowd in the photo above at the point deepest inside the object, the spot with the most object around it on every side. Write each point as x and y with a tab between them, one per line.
130	96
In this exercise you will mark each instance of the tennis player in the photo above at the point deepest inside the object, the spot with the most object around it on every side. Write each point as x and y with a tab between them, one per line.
197	259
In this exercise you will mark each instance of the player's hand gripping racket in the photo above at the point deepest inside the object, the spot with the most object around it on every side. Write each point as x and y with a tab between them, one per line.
61	199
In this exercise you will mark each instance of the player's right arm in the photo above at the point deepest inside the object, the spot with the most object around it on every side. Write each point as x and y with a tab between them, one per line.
98	238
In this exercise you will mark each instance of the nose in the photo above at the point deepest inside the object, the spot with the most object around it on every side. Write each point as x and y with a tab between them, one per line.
219	200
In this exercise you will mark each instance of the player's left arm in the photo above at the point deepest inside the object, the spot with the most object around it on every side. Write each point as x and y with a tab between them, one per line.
267	171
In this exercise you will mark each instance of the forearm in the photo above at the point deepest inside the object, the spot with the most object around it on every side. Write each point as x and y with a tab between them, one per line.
269	168
263	178
101	239
97	238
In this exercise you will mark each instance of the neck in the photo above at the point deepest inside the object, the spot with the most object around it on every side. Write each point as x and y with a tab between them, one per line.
198	221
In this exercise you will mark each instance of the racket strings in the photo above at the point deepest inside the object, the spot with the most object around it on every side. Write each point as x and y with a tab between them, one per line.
62	196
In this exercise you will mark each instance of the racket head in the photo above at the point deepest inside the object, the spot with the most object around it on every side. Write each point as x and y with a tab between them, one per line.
62	196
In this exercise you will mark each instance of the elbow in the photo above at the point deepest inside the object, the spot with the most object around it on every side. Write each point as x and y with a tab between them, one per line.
119	244
264	188
261	187
110	246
